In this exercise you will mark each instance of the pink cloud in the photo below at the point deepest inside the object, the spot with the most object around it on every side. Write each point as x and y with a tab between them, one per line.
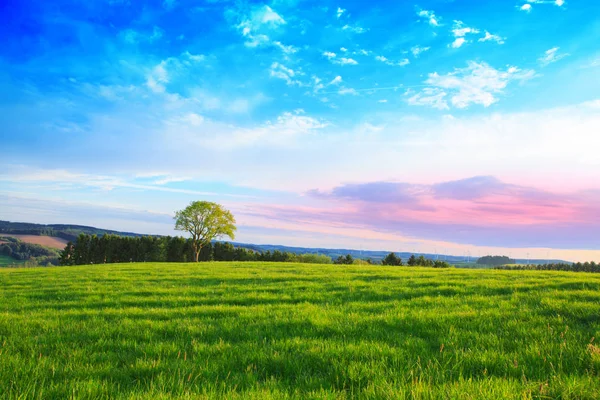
479	210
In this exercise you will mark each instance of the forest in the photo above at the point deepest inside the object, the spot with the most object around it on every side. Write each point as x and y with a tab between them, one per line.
33	254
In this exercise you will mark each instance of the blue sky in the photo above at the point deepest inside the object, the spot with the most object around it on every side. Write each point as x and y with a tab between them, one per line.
466	126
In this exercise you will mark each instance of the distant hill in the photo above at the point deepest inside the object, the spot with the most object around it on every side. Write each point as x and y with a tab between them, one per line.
67	232
70	232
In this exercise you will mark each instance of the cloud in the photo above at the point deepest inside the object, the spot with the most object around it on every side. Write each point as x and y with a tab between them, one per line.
194	57
259	17
478	83
489	37
280	71
340	12
457	43
345	61
280	132
355	29
551	56
158	77
430	17
363	52
432	97
340	61
286	49
526	7
336	81
350	91
417	50
386	61
460	30
132	36
257	25
469	211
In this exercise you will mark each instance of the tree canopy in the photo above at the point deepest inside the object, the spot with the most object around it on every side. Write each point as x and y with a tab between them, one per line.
205	221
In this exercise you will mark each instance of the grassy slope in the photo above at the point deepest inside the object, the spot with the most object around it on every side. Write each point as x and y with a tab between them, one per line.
246	330
6	260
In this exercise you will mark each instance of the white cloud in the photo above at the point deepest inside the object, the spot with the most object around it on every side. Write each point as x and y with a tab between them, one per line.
558	3
430	16
355	29
345	61
478	83
256	25
550	56
432	97
460	30
317	84
363	52
336	81
256	40
156	79
416	50
490	37
343	49
400	63
526	7
266	16
340	61
457	43
194	57
280	71
382	101
132	36
286	49
350	91
340	11
193	119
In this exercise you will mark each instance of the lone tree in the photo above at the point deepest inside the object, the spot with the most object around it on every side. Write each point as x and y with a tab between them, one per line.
392	259
205	221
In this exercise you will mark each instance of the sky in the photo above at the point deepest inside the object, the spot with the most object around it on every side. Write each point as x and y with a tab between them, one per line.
463	127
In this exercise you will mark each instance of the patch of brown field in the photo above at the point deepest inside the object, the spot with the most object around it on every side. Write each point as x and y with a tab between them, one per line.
48	241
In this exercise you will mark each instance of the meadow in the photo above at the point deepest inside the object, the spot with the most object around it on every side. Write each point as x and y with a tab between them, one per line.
6	261
272	330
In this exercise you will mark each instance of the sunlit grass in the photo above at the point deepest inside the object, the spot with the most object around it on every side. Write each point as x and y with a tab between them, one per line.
252	330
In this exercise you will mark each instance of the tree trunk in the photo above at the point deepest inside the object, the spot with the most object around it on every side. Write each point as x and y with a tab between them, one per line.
197	250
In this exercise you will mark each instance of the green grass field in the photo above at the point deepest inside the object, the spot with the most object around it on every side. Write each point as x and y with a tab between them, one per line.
260	331
6	261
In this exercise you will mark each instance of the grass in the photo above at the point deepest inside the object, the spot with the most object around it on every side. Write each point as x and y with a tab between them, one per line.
6	261
260	331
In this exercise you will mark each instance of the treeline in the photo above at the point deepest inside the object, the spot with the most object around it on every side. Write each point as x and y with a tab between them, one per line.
421	261
34	254
495	260
67	232
92	249
393	260
575	267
